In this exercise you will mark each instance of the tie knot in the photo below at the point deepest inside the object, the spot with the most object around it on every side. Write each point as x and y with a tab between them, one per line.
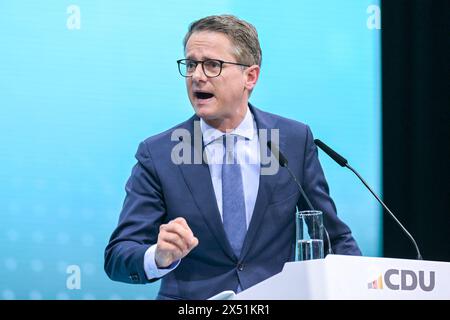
229	145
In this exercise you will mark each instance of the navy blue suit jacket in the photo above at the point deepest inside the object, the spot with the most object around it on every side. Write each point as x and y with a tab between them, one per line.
159	191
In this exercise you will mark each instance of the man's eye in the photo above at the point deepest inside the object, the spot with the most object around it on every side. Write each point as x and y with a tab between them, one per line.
212	64
191	65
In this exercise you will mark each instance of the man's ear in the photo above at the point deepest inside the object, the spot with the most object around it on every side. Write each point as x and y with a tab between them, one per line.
251	77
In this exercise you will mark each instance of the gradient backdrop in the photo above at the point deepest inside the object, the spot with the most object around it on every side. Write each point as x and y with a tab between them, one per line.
76	102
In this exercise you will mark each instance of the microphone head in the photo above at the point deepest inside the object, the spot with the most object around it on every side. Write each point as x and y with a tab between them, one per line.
277	154
333	154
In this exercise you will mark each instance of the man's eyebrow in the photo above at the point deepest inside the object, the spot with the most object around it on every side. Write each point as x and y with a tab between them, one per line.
204	58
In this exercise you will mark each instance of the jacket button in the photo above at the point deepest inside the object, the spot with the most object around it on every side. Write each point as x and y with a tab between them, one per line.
240	267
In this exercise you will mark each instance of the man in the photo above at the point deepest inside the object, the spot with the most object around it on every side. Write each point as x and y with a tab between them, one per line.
225	223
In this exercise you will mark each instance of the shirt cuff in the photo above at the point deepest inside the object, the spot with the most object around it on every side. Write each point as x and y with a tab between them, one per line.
151	269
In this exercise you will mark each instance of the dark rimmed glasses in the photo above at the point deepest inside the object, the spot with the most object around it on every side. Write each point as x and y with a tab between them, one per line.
211	67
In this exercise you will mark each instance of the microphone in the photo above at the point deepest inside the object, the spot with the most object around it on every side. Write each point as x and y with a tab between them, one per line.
344	163
284	163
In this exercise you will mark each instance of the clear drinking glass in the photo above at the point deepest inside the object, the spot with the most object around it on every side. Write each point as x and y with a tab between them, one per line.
309	235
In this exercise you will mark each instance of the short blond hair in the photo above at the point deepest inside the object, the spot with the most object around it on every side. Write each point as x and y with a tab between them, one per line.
242	34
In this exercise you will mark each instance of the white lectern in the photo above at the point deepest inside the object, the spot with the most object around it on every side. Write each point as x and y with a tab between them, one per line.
350	277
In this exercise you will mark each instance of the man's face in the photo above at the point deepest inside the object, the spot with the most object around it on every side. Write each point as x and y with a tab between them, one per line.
230	90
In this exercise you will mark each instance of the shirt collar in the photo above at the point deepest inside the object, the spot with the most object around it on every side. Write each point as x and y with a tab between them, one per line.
245	129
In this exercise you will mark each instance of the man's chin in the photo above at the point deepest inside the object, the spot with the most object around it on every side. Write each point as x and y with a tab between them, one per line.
205	111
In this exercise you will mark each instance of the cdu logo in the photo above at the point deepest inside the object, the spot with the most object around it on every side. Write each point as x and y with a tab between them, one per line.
395	279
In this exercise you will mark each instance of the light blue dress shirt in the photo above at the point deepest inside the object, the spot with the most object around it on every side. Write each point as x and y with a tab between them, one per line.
248	156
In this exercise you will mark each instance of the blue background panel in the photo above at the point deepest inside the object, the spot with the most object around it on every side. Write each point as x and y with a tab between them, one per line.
75	103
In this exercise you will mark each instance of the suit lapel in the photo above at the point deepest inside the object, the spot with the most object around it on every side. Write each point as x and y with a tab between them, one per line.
267	183
198	179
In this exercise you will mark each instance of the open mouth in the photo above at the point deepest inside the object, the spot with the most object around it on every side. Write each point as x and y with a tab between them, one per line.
203	95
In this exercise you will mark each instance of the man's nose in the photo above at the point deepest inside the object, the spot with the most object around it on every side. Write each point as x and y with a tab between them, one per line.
198	74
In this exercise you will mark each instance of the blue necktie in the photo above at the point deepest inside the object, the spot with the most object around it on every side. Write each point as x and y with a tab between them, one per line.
233	202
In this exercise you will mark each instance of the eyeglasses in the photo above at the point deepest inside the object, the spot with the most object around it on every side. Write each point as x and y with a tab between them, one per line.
211	67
